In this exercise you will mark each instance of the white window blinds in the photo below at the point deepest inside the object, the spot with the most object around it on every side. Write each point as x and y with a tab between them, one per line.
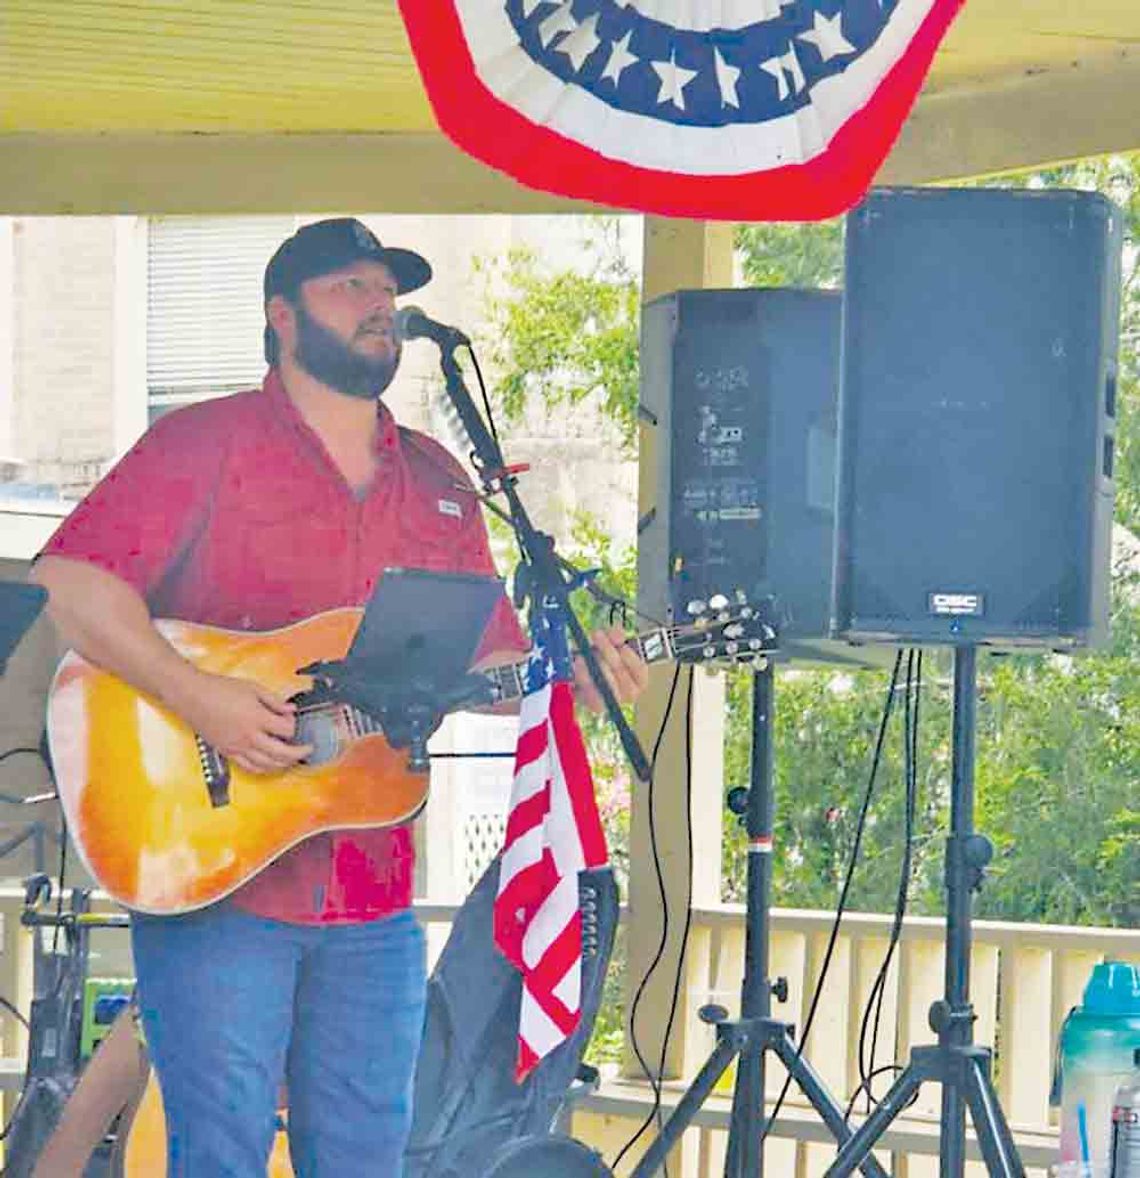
204	305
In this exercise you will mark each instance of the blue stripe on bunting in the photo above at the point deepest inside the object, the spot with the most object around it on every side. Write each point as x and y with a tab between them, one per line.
646	67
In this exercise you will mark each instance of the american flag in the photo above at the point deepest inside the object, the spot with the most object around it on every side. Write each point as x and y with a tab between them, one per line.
553	833
736	109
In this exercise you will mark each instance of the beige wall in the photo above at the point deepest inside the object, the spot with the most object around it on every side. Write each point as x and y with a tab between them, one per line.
63	342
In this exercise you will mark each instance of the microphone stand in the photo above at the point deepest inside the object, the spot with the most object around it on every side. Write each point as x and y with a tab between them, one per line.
545	580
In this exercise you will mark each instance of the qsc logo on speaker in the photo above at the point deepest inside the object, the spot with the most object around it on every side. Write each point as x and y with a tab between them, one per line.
957	605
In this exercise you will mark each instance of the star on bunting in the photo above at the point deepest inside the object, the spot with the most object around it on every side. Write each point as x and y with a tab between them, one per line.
827	36
581	42
726	76
674	79
561	20
778	67
620	59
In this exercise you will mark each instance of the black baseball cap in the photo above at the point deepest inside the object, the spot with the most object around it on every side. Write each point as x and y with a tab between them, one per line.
325	246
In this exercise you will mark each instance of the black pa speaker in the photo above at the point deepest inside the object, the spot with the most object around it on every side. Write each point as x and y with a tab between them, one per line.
977	410
740	387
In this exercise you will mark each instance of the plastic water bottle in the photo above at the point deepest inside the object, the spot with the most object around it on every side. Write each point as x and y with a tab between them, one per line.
1126	1125
1098	1042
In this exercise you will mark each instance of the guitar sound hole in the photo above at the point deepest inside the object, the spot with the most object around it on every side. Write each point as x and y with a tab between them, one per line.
323	730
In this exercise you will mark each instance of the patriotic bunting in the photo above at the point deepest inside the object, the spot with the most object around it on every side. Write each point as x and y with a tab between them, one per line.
735	109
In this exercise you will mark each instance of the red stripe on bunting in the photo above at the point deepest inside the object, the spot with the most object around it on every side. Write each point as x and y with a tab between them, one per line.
494	133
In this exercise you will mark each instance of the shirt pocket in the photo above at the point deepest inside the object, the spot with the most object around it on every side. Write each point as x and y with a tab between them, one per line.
438	529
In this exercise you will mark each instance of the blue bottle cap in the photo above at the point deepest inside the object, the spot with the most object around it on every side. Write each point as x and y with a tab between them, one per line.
1113	988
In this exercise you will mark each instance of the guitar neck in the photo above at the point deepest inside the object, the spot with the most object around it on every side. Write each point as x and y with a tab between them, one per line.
654	646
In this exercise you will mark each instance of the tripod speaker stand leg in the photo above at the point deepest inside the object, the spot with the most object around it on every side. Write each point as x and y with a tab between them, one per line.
962	1068
755	1032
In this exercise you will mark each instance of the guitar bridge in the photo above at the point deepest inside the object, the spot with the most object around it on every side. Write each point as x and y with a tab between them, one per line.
215	771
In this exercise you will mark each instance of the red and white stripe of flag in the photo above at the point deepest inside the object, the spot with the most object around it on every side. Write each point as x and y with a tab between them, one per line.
553	833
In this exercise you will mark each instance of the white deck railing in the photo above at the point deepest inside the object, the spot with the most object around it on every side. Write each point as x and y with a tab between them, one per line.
1024	980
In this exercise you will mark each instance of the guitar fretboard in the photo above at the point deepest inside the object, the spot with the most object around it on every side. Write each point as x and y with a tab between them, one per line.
509	681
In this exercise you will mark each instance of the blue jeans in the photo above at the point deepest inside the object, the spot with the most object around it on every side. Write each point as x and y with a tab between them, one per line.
232	1004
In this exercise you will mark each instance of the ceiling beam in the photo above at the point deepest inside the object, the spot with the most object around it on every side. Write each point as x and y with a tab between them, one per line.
150	173
1088	106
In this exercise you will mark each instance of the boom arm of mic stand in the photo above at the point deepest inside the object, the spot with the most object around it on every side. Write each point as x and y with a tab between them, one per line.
539	551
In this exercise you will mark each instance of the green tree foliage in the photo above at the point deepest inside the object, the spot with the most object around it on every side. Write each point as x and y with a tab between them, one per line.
807	255
569	335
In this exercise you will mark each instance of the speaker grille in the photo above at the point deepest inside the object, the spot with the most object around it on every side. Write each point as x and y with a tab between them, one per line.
978	360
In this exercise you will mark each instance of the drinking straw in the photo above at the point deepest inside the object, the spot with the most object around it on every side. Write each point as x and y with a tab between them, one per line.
1083	1130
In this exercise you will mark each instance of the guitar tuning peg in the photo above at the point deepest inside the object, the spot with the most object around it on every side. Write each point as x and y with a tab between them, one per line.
709	652
731	647
695	607
718	601
760	663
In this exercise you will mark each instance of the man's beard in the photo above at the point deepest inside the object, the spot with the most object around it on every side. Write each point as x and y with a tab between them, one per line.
325	356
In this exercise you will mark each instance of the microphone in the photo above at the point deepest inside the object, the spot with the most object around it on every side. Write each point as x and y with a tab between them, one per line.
412	323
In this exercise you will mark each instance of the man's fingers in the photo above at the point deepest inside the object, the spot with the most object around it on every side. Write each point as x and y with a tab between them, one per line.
281	753
284	726
275	702
622	666
253	762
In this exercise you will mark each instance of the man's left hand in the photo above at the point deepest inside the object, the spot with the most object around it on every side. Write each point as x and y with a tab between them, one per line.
623	667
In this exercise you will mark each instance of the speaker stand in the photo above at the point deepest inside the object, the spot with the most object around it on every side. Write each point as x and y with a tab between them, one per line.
962	1068
755	1033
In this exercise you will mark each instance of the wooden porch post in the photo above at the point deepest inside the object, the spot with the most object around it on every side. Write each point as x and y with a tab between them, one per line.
678	255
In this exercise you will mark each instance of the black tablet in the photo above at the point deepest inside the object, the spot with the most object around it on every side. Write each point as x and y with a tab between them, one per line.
424	625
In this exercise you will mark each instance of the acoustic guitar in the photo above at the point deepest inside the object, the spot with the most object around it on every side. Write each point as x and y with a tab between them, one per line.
167	825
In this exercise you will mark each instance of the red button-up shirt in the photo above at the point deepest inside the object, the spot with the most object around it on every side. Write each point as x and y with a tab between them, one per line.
232	513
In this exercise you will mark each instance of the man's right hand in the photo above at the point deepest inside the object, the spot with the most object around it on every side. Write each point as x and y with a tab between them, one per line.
248	724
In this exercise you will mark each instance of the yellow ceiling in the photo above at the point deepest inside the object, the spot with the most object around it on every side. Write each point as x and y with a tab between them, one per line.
317	104
212	65
312	65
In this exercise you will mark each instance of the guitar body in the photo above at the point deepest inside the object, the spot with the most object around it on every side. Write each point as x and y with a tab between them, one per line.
131	778
143	1155
167	826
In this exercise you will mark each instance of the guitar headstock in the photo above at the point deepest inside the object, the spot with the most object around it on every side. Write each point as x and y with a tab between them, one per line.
726	630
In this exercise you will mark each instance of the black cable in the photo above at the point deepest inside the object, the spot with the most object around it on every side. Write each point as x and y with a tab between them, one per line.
910	775
678	976
59	897
23	748
15	1013
865	1085
654	1080
841	906
483	391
